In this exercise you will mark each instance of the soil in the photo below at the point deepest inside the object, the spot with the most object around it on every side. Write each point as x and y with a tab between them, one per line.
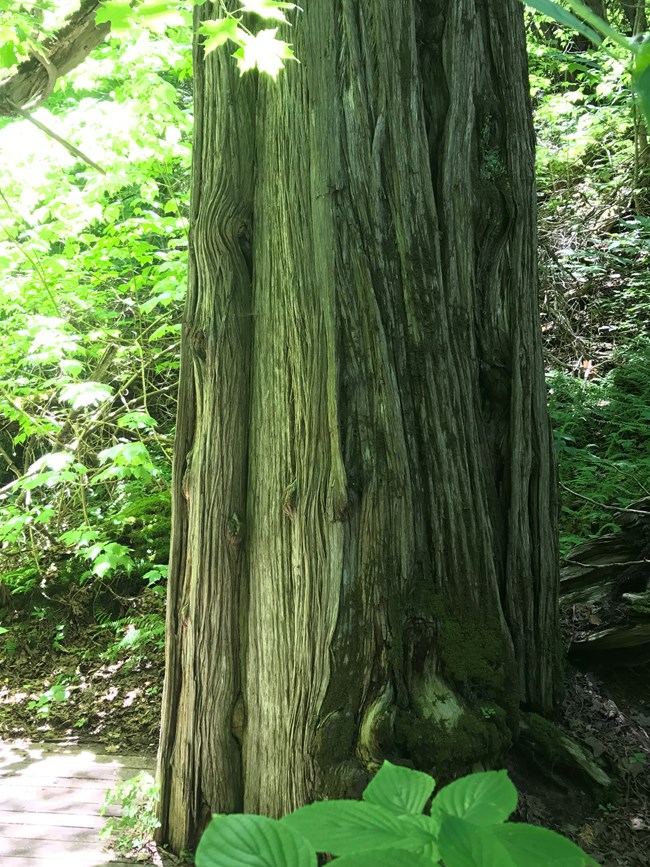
80	692
110	694
608	713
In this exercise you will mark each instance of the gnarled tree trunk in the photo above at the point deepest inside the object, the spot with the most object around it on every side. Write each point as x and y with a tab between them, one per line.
363	555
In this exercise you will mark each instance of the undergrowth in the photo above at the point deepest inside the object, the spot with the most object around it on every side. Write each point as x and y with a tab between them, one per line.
602	430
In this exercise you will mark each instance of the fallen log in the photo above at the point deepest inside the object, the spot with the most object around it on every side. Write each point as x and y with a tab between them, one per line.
610	565
605	583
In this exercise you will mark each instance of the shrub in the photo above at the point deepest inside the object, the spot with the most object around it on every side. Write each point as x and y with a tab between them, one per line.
465	826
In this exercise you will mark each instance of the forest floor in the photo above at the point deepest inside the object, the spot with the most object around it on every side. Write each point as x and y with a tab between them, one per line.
88	691
77	694
608	715
82	693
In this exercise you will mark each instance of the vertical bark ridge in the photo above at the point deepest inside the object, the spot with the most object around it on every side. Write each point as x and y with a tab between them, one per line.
199	758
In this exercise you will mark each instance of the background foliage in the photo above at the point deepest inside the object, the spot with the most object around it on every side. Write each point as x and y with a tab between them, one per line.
593	175
92	277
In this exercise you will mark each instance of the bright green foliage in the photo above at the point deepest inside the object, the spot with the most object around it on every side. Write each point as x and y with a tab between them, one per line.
465	826
594	28
257	48
92	279
22	25
594	192
138	800
58	692
603	438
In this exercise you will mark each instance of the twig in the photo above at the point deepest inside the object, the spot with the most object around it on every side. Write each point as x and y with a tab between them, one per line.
628	511
49	132
603	565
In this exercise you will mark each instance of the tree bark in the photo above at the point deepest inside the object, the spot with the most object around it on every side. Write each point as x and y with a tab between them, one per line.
364	557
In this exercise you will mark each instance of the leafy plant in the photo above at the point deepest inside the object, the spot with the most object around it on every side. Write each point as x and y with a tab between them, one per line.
93	272
465	826
584	20
603	440
137	800
58	692
256	48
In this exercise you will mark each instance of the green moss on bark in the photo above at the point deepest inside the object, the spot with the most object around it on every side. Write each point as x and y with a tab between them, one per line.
446	748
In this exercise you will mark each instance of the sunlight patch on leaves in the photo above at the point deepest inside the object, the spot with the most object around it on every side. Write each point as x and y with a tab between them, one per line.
81	395
263	51
117	13
219	31
270	9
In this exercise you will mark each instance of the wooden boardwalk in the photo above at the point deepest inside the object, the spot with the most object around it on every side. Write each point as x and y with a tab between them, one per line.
50	798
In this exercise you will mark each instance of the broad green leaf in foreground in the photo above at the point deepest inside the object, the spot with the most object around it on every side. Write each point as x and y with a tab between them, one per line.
399	789
384	858
159	14
263	51
539	847
464	844
345	827
641	77
483	799
562	16
254	841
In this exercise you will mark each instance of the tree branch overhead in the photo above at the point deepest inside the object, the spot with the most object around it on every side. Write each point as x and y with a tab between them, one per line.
34	80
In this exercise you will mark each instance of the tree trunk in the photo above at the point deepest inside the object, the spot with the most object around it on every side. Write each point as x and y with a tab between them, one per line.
363	552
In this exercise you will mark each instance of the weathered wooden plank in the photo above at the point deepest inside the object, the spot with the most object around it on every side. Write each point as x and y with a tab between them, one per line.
62	769
99	751
37	848
50	800
70	861
53	800
56	834
17	759
8	762
69	820
51	782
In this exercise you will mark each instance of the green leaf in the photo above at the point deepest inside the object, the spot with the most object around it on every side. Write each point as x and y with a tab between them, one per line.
557	13
641	77
384	858
345	827
79	536
136	421
463	844
219	31
399	789
117	13
539	847
83	394
484	799
71	367
8	57
159	14
263	51
126	454
271	9
256	841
